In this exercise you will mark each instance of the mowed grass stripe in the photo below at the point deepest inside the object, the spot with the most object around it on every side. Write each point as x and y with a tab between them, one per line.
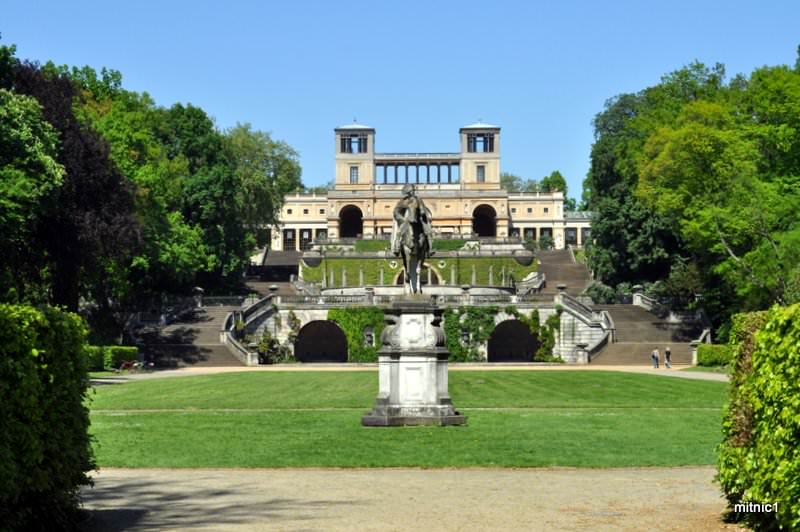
109	412
536	438
310	390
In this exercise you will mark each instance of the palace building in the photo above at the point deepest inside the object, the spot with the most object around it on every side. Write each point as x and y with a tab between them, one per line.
462	190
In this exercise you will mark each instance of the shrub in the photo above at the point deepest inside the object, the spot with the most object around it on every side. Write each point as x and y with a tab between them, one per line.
270	350
758	458
95	357
601	293
45	448
713	355
115	355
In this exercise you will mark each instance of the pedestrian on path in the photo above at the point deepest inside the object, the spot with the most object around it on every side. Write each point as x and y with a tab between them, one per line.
654	356
667	355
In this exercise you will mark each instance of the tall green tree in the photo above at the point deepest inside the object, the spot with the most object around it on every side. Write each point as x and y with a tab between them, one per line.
92	224
30	175
265	170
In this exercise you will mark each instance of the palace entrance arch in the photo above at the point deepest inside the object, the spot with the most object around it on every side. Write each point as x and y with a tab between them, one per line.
321	341
484	220
512	341
351	222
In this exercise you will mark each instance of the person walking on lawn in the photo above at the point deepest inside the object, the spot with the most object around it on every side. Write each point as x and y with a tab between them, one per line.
667	355
654	357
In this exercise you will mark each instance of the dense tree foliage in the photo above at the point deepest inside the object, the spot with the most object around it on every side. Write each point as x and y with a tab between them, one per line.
701	174
109	199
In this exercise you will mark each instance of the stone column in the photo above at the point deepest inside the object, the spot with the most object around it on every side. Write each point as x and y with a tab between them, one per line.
474	276
452	275
380	277
330	284
360	276
344	277
491	275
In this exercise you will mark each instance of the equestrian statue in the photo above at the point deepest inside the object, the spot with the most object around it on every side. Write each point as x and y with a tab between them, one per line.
412	237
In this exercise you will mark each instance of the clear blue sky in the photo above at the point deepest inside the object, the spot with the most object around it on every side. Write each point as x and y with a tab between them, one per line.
415	71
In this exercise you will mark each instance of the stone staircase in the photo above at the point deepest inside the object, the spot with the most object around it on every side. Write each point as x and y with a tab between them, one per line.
558	268
191	341
638	332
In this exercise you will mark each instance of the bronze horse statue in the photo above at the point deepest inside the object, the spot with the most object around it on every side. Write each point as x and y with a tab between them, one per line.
412	237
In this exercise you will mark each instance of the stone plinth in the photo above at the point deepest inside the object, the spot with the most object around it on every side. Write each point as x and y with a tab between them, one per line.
412	368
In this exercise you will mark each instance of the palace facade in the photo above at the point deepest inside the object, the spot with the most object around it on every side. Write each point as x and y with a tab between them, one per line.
462	190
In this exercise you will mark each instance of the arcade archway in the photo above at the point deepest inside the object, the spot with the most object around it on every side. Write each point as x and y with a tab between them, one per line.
351	222
321	341
512	341
484	220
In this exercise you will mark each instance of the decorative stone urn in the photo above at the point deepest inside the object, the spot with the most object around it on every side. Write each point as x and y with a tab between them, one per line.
412	368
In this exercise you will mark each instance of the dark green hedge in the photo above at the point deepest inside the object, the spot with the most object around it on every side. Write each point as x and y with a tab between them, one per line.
110	356
115	355
44	442
759	458
713	355
95	357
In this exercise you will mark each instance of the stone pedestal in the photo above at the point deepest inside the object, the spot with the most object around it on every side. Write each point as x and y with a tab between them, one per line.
412	368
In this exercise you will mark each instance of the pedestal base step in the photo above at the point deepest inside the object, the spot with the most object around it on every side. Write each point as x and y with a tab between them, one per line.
373	419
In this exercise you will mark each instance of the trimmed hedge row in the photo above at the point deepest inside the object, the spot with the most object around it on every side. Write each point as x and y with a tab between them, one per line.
391	267
713	355
110	356
45	448
759	458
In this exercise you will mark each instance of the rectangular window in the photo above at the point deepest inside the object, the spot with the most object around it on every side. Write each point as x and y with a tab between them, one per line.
321	234
354	175
481	173
305	211
530	210
546	210
289	240
288	211
530	233
480	142
353	143
322	211
513	210
586	235
305	239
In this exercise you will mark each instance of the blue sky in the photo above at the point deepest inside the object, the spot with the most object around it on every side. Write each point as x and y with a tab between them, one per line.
415	71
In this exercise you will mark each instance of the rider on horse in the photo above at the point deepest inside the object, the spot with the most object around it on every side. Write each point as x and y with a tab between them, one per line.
412	234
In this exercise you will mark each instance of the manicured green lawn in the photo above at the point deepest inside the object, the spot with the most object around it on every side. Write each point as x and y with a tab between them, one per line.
312	419
708	369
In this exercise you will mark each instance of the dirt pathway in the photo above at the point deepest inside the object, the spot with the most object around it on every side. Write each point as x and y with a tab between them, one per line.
406	499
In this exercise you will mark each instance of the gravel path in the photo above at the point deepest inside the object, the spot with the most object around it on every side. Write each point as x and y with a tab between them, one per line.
405	499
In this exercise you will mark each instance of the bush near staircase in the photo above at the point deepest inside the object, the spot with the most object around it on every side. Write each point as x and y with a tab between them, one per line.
713	355
759	458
